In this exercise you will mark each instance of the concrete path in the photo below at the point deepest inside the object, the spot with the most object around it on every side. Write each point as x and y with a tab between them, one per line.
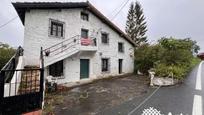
185	99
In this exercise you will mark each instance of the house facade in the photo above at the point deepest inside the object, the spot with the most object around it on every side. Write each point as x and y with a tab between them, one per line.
78	42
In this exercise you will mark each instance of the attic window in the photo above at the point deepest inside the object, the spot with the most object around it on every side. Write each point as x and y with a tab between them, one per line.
84	16
56	28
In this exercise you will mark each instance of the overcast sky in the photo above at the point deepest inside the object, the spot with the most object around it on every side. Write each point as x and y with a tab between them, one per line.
176	18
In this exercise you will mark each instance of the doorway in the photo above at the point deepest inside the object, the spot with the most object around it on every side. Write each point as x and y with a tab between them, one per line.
84	68
120	66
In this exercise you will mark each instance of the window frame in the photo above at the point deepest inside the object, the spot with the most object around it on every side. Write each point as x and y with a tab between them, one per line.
123	47
86	31
107	70
108	40
57	24
56	65
83	15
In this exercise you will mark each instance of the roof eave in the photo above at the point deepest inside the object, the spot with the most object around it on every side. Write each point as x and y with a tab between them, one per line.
22	7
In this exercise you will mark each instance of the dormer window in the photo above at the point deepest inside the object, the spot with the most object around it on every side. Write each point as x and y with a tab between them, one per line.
84	16
56	28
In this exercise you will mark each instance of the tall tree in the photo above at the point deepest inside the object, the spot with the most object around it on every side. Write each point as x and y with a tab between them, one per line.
130	21
136	26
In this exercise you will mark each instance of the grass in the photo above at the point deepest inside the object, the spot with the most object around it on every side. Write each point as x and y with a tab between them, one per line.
52	99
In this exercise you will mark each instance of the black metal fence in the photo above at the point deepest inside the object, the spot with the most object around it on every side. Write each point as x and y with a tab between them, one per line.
21	90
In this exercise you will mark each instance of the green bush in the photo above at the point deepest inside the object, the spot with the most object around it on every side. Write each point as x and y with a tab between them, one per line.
169	57
178	72
6	52
146	56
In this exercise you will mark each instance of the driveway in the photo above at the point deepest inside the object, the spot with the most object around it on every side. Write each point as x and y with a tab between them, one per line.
99	96
132	96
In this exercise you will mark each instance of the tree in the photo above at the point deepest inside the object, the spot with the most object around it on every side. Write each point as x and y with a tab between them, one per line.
6	52
136	26
169	56
130	22
147	56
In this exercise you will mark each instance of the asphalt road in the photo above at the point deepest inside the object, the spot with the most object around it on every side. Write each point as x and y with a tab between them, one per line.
183	99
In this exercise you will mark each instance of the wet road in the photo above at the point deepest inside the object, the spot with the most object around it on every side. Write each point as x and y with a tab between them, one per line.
186	98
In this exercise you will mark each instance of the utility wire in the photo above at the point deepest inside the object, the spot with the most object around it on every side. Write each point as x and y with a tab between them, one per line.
119	10
1	26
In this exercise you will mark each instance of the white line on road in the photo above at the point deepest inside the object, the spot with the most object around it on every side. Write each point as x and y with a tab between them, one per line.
197	105
131	112
198	78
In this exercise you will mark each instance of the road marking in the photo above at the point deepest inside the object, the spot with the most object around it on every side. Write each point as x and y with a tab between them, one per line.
198	78
197	105
131	112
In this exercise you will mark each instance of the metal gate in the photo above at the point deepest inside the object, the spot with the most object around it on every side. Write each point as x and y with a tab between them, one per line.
21	90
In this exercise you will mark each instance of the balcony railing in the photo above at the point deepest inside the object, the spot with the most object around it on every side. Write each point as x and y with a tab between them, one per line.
70	44
88	42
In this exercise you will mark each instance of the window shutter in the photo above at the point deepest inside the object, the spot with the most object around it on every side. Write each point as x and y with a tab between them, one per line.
63	34
109	65
50	28
102	65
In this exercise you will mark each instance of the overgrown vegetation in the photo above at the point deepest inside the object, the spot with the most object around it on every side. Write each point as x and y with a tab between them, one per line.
6	52
170	56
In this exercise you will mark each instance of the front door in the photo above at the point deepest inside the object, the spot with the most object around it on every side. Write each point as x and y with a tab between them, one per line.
84	68
120	66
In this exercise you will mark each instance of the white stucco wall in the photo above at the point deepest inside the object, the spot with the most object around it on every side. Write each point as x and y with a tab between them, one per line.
36	35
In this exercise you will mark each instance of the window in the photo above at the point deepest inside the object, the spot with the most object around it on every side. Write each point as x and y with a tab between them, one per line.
56	28
84	33
56	69
84	16
120	47
105	65
104	38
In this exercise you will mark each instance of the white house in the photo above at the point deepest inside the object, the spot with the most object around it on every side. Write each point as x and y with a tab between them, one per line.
78	41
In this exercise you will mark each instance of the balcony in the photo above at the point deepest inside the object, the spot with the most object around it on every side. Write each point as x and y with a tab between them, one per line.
88	44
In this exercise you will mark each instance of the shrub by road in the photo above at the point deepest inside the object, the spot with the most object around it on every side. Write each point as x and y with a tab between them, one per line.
170	56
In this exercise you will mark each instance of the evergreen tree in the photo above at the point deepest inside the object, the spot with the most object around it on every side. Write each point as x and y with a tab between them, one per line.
130	22
136	26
